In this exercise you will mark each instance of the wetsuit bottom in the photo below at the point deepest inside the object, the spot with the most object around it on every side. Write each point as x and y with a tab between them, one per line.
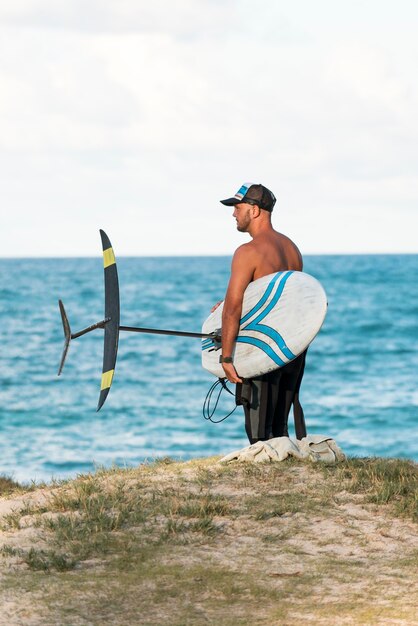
267	401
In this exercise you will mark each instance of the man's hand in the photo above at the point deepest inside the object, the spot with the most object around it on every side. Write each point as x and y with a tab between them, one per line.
231	373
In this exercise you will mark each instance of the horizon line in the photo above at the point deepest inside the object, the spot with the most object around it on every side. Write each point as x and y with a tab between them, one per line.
191	255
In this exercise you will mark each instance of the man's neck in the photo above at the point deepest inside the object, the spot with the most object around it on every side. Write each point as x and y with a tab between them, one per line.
260	227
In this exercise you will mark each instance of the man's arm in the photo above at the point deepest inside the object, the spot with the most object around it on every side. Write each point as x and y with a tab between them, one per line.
242	271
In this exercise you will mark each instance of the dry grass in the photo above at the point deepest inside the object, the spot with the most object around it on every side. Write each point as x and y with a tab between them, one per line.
8	485
199	543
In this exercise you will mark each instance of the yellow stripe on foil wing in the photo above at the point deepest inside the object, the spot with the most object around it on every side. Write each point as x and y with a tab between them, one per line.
108	257
107	378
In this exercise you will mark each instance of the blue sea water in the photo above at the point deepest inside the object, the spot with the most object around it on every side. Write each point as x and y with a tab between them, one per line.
360	384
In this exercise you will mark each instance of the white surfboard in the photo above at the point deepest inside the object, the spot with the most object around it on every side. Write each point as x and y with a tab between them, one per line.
281	315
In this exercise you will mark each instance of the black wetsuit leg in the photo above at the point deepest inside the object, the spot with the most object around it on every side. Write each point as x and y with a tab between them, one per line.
267	401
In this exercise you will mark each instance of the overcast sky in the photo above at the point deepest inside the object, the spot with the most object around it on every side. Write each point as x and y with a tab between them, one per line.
138	116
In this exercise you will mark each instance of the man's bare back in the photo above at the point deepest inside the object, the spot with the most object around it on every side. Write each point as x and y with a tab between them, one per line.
272	252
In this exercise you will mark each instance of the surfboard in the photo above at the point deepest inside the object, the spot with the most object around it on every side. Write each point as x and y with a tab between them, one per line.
281	315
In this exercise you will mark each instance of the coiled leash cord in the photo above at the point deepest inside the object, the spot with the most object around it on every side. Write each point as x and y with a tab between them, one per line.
207	412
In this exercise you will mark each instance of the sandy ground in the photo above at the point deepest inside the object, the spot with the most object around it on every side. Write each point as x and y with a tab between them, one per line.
351	552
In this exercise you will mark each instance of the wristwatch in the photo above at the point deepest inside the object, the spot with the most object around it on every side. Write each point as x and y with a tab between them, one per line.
226	359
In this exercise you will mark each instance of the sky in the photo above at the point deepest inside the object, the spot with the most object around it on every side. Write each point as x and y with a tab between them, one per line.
138	117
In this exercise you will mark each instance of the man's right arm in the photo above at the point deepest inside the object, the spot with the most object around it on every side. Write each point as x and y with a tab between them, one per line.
242	271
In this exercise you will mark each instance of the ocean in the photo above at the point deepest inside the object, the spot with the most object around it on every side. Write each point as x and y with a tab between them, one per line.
360	384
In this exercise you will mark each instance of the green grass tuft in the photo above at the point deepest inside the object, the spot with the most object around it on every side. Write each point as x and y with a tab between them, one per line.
384	481
8	485
46	560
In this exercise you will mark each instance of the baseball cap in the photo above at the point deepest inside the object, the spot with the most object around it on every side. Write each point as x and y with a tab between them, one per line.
253	193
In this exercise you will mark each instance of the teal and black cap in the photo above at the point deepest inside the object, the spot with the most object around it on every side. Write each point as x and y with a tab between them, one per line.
252	193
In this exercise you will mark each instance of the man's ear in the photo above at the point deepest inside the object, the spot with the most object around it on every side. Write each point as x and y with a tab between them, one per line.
256	210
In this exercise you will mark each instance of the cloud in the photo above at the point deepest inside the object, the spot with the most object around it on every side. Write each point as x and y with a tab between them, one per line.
143	114
187	18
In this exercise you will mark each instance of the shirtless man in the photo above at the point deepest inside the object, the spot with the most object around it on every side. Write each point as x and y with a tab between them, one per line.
267	399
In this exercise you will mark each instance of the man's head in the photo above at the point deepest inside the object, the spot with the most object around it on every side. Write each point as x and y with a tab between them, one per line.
253	194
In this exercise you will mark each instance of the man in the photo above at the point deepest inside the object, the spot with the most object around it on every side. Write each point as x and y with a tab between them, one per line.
266	399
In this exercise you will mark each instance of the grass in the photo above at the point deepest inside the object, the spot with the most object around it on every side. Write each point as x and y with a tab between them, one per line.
383	481
198	542
8	485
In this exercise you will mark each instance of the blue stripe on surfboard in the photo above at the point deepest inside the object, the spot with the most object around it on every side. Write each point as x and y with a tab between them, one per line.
272	303
254	325
264	347
275	336
263	298
267	330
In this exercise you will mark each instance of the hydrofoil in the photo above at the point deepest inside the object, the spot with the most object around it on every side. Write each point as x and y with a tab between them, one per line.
111	324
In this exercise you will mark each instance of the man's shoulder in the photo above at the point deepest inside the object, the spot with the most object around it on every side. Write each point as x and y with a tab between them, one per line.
245	252
244	259
245	248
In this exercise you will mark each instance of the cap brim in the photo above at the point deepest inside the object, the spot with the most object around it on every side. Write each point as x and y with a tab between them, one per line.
230	201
